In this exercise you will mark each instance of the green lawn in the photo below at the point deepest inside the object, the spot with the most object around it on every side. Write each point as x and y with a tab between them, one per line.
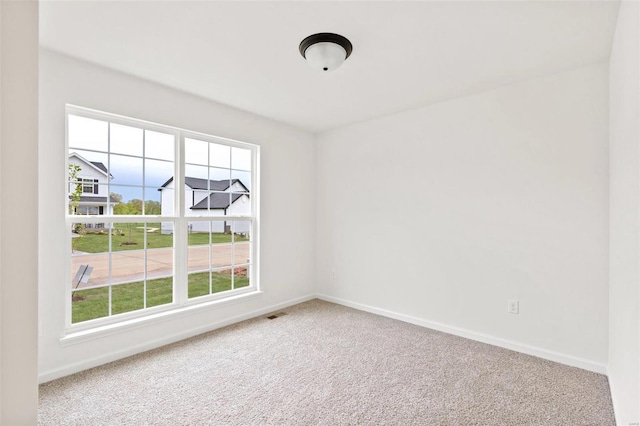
94	303
125	234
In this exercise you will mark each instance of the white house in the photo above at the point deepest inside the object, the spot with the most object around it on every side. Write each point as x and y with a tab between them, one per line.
93	177
208	198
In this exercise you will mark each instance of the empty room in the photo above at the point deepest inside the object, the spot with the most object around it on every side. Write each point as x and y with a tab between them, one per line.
320	213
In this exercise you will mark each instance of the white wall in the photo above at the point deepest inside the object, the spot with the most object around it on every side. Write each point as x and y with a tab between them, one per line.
441	214
18	210
624	269
287	217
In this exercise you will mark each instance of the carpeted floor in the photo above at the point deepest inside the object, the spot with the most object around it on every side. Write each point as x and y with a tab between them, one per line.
325	364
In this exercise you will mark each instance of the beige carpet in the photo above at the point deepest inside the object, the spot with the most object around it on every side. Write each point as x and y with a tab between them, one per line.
324	364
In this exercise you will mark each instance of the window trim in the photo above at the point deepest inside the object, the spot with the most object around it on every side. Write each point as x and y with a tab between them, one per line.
89	183
180	222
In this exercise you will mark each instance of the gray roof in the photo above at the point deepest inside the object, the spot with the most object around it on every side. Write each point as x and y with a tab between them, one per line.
214	185
218	200
99	165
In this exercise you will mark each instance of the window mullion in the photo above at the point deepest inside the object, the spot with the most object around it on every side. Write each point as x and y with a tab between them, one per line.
180	227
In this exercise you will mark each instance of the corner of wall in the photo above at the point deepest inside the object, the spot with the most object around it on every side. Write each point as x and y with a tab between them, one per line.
19	124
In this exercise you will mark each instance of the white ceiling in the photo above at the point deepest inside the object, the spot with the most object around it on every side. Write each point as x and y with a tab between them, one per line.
406	54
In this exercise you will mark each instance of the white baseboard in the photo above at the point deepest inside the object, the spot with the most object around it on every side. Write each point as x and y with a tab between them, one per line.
484	338
146	346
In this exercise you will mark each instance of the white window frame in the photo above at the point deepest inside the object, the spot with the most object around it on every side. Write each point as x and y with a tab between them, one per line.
181	300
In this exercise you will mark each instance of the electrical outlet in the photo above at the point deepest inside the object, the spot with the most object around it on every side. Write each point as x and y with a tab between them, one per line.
513	306
334	276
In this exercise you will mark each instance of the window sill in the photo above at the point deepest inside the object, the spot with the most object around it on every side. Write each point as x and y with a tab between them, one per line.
76	337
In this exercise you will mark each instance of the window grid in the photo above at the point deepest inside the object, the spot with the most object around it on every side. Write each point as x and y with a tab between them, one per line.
177	218
222	259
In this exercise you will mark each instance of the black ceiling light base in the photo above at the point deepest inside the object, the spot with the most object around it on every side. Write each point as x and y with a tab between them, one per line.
325	38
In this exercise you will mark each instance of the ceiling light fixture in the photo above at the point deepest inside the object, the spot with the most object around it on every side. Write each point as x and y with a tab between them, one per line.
325	51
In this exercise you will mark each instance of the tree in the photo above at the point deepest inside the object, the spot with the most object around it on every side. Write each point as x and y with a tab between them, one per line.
135	206
116	197
74	199
152	207
120	207
74	195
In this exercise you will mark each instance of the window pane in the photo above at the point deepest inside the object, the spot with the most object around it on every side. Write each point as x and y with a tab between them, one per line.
89	304
196	176
128	257
241	180
125	170
157	173
89	270
219	155
159	292
218	174
221	280
196	152
87	133
125	140
159	267
219	232
240	205
240	159
241	253
199	284
166	203
222	252
241	276
152	201
199	251
127	297
241	242
128	200
193	203
199	258
198	233
159	145
87	166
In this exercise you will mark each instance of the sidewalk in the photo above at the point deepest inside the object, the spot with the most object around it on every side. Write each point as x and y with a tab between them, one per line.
128	266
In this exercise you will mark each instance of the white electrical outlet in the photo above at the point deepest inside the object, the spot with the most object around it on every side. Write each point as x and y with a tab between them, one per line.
513	306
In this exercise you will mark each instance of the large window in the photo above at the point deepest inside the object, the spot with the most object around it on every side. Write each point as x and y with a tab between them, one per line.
158	218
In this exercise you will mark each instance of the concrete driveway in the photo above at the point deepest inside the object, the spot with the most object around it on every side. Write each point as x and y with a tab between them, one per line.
128	266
